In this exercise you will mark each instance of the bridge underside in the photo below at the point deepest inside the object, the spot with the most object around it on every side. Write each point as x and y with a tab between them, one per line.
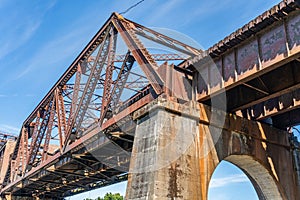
168	124
98	159
273	97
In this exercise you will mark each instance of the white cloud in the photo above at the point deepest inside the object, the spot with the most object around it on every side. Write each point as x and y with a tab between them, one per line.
10	95
224	181
16	32
165	10
219	196
9	129
23	73
54	51
30	95
17	36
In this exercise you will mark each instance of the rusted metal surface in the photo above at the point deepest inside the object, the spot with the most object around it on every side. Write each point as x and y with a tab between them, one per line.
83	143
274	106
276	13
108	76
113	98
262	53
61	120
89	87
157	57
96	95
255	64
141	54
21	160
92	106
37	140
256	148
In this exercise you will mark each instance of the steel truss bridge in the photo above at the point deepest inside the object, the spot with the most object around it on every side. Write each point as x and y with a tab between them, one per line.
80	135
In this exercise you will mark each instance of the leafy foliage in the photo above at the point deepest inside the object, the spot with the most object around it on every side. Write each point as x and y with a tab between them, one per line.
109	196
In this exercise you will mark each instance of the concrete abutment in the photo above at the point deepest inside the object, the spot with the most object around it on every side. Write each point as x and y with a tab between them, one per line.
177	148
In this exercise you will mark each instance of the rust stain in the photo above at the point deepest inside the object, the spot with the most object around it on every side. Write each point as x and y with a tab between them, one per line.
174	190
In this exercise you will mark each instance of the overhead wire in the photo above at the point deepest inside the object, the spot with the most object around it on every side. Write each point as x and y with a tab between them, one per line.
131	7
297	130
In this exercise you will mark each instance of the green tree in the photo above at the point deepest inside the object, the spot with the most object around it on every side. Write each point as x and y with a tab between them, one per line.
109	196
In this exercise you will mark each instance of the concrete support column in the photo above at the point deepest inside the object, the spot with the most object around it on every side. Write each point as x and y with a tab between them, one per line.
171	157
9	148
177	148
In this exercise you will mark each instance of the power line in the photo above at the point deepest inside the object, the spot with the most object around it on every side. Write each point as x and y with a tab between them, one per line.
128	9
296	130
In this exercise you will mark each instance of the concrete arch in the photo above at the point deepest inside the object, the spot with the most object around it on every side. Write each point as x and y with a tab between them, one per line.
264	183
226	177
262	152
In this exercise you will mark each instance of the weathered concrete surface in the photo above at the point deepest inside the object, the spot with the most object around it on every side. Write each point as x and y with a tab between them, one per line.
9	148
177	148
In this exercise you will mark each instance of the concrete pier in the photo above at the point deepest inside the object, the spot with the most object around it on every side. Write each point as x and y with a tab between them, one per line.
177	148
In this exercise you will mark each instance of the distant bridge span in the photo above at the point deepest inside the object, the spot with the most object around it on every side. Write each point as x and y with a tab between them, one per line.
110	114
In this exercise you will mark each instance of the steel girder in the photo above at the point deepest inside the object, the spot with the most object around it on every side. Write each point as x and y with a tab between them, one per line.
90	89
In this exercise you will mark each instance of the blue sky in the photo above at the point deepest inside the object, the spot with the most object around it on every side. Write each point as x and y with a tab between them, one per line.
40	39
228	183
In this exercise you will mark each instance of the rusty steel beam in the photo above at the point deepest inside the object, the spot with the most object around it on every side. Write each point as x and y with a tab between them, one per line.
276	13
12	171
274	106
25	150
90	86
255	88
49	130
250	59
119	84
43	116
99	184
75	94
287	119
61	117
162	39
270	96
121	80
85	138
77	107
139	52
37	139
22	156
157	57
109	72
84	54
18	161
59	173
169	43
36	125
127	112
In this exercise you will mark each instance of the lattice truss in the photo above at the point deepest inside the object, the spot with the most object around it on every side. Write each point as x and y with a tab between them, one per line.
121	61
